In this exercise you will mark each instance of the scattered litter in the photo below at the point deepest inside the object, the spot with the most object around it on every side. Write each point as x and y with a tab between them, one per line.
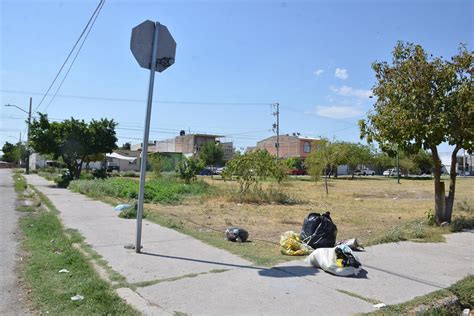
57	252
319	231
31	225
379	305
77	298
394	198
64	271
338	260
466	312
444	224
236	234
122	207
52	241
352	243
291	245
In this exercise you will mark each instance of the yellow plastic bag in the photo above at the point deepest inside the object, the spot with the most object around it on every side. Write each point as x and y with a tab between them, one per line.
291	245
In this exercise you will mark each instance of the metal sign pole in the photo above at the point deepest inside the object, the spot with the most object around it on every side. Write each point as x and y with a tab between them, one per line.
145	138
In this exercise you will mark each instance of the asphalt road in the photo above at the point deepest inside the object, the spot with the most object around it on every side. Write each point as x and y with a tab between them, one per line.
10	292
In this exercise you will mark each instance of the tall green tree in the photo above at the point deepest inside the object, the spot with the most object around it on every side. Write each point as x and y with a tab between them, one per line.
72	140
423	101
211	153
14	153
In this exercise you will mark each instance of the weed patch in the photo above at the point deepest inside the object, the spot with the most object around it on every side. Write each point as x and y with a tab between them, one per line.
166	191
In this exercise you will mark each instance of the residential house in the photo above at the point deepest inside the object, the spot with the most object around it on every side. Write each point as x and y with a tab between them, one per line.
290	145
188	145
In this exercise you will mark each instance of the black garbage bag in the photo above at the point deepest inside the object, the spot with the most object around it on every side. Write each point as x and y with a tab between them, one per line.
236	234
319	231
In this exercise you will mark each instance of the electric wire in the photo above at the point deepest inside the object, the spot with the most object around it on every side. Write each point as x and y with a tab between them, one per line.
75	57
98	98
69	55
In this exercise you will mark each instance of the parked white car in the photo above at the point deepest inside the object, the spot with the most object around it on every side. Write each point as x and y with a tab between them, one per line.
364	172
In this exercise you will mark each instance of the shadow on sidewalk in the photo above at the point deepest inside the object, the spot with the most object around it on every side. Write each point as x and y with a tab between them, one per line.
203	261
288	272
275	272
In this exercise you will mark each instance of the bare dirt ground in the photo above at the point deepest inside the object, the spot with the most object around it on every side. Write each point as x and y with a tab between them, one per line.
364	207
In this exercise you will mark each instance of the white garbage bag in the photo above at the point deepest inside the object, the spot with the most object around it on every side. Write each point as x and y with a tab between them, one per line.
326	259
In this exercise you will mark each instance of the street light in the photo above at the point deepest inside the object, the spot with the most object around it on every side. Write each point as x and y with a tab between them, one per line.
27	135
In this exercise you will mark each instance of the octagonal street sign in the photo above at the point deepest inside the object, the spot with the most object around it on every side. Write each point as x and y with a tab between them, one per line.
141	45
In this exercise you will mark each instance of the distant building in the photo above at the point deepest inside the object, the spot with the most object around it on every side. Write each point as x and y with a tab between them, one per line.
188	145
123	160
290	145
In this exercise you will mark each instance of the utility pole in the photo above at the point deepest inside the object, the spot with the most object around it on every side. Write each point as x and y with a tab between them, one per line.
28	140
276	127
19	151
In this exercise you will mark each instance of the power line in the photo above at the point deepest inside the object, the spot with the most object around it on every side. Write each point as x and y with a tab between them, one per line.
98	98
70	53
75	57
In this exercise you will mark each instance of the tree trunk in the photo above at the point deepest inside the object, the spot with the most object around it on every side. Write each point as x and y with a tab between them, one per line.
440	201
326	182
77	175
452	185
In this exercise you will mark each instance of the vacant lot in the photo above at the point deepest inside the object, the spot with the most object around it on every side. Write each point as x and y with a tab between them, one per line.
363	208
374	209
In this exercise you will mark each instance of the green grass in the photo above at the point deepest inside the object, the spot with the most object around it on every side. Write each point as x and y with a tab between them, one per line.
166	191
49	250
463	289
19	182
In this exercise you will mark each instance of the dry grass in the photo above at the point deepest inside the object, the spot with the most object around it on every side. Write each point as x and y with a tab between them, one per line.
363	208
374	209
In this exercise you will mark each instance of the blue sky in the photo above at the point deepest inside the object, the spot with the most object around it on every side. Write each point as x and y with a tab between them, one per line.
234	59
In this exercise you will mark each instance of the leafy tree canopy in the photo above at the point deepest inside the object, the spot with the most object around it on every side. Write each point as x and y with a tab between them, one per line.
211	153
72	140
423	101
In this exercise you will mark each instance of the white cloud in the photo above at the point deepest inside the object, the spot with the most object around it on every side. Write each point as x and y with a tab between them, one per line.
341	73
336	112
318	72
351	92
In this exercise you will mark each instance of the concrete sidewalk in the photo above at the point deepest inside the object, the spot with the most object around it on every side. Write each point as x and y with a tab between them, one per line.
227	284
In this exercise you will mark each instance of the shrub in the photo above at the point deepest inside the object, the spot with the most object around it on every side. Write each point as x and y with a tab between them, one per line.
252	167
156	162
461	222
188	168
99	173
64	179
430	216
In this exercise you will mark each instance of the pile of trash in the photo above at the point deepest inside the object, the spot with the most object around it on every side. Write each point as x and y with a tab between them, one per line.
318	239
